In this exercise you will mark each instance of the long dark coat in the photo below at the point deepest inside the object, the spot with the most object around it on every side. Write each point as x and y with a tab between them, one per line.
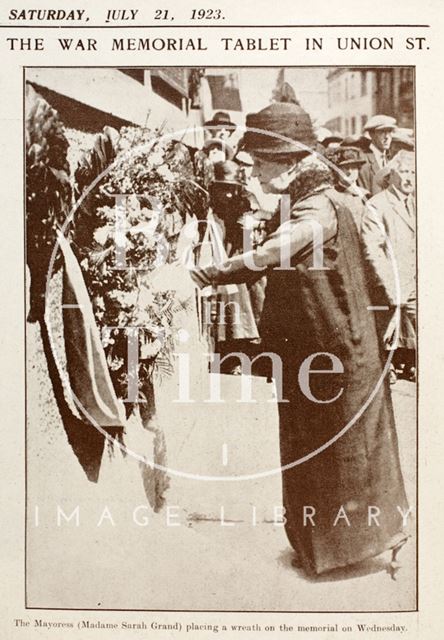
310	311
307	312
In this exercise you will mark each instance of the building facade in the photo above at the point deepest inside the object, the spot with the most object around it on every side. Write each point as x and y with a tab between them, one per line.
356	94
88	99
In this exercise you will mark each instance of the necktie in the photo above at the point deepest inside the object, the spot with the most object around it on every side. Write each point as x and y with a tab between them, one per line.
409	206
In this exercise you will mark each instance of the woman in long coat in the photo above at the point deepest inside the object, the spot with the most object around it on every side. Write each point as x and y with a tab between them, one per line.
322	314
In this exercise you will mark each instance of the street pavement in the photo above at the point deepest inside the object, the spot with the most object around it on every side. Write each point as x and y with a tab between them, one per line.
216	544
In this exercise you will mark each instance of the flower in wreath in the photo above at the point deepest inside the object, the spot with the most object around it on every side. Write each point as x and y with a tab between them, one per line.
103	234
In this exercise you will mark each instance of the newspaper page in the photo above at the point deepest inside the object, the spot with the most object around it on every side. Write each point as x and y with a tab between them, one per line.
220	311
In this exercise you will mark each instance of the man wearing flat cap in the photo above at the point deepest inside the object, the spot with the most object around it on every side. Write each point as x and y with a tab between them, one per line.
316	314
380	130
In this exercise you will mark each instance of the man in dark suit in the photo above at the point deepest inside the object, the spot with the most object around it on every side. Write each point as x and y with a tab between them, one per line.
380	130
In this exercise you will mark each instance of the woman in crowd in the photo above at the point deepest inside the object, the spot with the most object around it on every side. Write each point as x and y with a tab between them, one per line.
235	309
338	443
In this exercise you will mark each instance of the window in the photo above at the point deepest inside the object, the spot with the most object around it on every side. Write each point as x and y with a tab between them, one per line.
363	121
353	125
166	91
172	85
363	83
352	85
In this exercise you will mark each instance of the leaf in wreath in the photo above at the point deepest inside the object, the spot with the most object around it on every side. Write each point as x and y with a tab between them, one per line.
162	366
98	257
185	304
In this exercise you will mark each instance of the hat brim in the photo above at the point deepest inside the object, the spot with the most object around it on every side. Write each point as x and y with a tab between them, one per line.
220	125
347	163
285	149
239	184
330	139
381	127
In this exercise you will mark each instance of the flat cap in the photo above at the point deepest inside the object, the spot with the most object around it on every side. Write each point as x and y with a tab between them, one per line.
380	122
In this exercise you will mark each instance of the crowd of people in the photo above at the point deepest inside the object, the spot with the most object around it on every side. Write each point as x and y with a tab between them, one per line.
336	296
373	176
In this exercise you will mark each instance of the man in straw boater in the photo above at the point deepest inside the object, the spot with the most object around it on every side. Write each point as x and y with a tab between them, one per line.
338	443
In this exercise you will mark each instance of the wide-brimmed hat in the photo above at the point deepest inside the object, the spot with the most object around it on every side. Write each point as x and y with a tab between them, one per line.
281	128
334	136
380	122
219	144
346	156
222	120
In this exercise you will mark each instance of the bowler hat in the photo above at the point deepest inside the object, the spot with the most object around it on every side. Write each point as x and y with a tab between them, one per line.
279	129
220	119
380	122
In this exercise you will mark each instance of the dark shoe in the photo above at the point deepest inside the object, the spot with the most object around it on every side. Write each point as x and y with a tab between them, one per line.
394	566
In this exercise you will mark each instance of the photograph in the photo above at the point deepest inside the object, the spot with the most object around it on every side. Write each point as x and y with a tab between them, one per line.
220	338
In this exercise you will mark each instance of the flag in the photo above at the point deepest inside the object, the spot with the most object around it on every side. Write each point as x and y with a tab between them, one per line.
89	379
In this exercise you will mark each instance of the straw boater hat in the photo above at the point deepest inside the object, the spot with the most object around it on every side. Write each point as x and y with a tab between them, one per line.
279	129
